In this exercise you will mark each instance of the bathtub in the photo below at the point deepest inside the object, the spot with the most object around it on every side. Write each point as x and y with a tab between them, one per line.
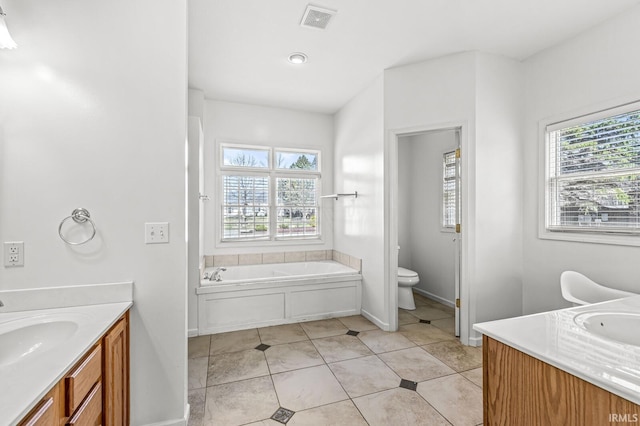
280	293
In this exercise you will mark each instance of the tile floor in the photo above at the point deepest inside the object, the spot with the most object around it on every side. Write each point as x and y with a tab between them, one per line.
342	371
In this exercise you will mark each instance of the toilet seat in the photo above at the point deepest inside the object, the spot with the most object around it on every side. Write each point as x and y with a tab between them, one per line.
404	272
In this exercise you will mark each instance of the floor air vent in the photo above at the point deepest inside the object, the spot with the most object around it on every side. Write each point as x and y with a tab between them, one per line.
317	17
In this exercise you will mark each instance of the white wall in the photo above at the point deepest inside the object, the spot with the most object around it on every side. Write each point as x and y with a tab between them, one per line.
260	125
498	189
93	114
596	70
359	166
424	246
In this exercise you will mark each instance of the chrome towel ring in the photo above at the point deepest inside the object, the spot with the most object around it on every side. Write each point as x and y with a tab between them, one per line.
78	215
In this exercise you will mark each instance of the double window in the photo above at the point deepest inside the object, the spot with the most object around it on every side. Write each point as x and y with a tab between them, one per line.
593	173
269	193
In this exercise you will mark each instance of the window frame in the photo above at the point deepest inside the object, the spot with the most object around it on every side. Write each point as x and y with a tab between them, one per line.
587	235
272	173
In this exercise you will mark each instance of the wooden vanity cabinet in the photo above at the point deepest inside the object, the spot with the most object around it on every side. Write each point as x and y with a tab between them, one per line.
93	392
522	390
116	374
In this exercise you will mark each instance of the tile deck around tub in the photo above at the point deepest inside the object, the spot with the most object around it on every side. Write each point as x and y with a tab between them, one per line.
342	371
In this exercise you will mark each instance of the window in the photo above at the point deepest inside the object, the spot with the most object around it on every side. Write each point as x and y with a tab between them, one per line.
268	193
593	173
449	190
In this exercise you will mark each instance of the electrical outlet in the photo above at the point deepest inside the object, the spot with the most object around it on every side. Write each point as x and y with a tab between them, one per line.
156	233
14	253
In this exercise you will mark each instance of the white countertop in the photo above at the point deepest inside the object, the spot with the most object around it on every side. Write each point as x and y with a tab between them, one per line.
555	338
24	383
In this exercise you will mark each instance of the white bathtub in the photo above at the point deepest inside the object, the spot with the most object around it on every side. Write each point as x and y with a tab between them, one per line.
280	293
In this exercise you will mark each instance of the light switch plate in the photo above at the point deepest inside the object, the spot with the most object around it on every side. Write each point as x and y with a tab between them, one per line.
156	233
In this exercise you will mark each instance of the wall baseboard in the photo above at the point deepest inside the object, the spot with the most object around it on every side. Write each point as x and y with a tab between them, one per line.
192	332
434	297
381	324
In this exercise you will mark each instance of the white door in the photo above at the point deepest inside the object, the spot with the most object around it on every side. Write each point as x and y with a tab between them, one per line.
457	240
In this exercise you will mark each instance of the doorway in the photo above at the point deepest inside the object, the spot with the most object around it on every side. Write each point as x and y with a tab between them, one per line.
425	234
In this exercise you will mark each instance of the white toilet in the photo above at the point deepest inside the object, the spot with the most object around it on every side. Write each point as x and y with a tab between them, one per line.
406	280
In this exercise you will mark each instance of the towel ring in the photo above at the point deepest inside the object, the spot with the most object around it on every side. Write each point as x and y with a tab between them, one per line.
78	215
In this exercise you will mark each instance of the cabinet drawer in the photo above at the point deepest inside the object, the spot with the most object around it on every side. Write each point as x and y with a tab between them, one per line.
43	415
90	411
81	379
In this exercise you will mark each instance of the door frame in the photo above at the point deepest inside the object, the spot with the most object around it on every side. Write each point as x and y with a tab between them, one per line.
392	215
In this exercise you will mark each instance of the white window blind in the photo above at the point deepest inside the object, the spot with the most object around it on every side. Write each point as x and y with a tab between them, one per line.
449	190
244	207
593	168
297	204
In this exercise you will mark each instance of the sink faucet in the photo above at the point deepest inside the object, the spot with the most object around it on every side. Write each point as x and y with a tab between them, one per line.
215	276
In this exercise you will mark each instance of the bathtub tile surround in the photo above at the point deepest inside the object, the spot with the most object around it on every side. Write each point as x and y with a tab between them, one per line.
326	376
282	257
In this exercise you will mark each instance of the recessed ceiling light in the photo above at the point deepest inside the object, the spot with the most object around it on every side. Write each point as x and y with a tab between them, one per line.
297	58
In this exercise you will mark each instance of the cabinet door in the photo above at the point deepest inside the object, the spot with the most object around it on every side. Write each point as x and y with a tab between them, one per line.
116	374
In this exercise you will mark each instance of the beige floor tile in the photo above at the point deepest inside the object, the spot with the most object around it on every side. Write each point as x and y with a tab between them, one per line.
324	328
415	364
266	422
280	334
398	407
363	376
308	388
340	413
474	375
196	399
234	341
421	300
448	325
383	341
198	368
430	313
405	317
455	397
199	346
422	334
292	356
456	355
240	402
358	323
231	367
339	348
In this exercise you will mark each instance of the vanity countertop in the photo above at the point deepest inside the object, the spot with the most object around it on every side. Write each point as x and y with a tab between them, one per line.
555	338
25	382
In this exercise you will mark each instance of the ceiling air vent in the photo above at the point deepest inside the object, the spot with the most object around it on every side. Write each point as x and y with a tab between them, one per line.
317	17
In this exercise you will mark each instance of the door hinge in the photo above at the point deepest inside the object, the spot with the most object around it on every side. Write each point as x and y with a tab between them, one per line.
458	153
457	228
457	303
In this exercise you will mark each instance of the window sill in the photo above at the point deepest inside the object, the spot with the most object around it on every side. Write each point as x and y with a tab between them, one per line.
591	237
270	243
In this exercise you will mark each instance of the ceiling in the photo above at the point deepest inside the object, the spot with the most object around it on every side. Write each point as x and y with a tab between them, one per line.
238	49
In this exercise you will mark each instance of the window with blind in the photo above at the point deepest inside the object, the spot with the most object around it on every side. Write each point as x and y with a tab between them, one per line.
449	190
593	173
268	194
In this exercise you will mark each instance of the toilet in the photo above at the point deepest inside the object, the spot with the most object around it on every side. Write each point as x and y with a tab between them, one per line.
406	280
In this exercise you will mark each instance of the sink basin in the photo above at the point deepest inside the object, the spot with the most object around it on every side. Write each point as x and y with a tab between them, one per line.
27	337
619	326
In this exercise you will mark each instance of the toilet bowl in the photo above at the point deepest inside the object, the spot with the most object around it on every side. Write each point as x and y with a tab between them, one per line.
406	280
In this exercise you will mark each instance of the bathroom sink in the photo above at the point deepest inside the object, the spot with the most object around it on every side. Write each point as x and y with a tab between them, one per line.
618	326
26	337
